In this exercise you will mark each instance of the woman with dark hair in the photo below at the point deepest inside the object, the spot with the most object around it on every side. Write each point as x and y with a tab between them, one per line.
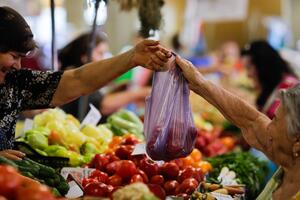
23	89
269	73
74	55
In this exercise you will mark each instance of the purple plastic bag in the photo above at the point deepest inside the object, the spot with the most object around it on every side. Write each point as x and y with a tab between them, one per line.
168	125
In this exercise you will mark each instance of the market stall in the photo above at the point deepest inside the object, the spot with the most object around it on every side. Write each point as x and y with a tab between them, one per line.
179	147
112	161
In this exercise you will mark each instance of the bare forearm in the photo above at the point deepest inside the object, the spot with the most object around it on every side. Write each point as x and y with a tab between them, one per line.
232	107
252	123
208	70
88	78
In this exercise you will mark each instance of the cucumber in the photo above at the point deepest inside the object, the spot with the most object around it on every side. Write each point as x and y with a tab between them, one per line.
6	161
56	179
130	116
44	170
50	182
55	192
32	170
28	174
122	123
63	187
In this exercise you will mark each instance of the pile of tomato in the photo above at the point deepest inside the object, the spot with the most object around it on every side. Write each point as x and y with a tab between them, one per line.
118	168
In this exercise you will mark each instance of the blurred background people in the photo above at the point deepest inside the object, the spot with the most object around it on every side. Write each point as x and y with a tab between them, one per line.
269	73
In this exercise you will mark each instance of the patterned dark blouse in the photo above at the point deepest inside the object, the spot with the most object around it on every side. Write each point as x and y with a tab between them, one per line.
23	89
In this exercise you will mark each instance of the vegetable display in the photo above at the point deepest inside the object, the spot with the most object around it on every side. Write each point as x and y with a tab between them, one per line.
17	187
249	170
118	168
39	172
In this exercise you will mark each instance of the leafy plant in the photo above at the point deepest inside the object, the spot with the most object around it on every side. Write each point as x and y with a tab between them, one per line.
249	170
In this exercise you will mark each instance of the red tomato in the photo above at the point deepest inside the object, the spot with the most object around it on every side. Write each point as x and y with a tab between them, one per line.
179	163
100	161
112	167
169	170
149	167
157	190
157	179
200	142
9	180
124	151
96	189
115	180
188	186
186	173
100	176
130	140
191	172
136	178
137	159
127	169
170	186
86	181
199	175
112	157
144	176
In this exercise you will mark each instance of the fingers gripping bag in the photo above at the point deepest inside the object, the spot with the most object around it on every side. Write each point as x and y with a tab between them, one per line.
168	124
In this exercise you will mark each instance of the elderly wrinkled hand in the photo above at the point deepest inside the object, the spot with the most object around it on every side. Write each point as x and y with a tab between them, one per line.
190	72
12	154
150	54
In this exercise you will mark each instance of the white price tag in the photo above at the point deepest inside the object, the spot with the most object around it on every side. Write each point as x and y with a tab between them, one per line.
92	117
27	126
74	191
139	149
76	172
219	196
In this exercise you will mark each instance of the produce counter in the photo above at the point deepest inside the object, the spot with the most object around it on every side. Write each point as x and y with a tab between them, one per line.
111	166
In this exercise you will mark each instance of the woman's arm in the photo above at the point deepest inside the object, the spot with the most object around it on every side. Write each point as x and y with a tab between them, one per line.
90	77
252	123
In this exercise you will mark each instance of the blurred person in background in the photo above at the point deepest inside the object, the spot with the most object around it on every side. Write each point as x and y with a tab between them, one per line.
74	55
269	73
220	61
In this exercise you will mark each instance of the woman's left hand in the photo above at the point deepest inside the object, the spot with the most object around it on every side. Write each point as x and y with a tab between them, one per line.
12	154
150	54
